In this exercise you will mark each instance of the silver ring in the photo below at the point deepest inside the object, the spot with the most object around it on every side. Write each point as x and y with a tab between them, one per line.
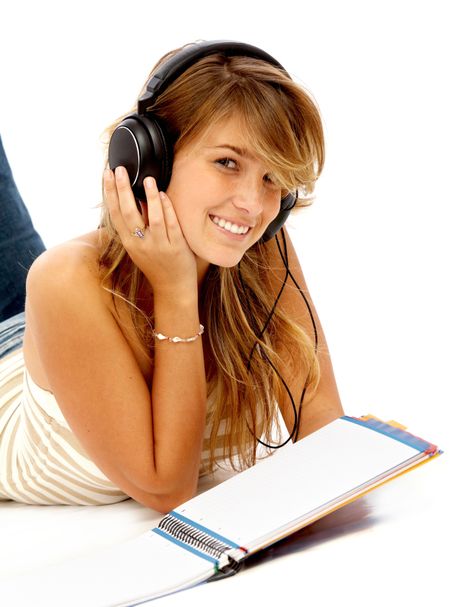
139	232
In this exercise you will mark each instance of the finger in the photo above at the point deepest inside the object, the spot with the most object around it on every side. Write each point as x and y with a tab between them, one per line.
170	217
127	202
112	202
156	219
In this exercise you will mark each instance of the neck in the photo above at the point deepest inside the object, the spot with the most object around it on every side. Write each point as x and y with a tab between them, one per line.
202	268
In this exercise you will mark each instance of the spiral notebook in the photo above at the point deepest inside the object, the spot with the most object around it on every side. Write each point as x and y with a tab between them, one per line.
210	535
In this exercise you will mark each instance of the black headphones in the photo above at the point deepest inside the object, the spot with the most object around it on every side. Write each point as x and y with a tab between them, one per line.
139	142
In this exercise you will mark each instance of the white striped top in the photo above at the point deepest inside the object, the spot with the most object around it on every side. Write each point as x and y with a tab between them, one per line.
41	460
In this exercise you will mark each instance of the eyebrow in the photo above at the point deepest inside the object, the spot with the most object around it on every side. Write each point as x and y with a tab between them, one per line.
241	151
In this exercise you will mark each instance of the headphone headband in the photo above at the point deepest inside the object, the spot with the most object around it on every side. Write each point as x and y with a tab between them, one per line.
169	71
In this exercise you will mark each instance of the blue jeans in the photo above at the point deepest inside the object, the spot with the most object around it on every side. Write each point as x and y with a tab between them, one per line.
20	244
11	334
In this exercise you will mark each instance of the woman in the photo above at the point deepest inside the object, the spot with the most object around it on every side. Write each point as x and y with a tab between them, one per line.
163	342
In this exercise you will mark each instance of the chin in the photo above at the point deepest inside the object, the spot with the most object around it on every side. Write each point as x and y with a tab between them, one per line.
225	259
229	264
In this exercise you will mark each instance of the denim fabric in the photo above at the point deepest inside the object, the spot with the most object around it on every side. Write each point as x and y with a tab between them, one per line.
11	334
20	244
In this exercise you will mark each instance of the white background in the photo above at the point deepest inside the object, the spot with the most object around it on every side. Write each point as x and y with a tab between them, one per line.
374	246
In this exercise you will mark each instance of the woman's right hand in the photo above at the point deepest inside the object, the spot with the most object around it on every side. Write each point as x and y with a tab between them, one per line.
163	254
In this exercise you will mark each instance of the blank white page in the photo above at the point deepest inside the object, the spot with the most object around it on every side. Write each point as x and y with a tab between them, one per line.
280	489
147	566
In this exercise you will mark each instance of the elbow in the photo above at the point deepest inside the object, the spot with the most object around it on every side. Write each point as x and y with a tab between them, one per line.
177	496
164	503
163	494
161	488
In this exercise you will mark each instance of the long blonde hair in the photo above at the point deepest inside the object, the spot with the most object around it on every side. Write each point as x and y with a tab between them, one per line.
283	124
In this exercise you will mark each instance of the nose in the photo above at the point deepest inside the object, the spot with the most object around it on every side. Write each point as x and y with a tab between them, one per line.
249	196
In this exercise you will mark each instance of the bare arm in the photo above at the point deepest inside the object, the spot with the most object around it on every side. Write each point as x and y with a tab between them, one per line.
147	440
325	405
145	437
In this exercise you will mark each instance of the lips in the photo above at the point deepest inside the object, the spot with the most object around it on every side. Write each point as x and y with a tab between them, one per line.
229	226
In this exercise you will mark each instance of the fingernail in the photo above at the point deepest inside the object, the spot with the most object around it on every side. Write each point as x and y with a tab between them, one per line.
149	182
107	174
120	172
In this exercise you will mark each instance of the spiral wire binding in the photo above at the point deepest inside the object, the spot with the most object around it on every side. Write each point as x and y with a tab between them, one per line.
204	543
190	535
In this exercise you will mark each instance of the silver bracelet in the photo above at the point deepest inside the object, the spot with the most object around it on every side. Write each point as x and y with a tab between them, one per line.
176	339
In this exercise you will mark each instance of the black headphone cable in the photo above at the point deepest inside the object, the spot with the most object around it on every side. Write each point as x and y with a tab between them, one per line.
297	414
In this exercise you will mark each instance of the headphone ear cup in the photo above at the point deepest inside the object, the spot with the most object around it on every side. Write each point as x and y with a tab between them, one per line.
139	144
287	204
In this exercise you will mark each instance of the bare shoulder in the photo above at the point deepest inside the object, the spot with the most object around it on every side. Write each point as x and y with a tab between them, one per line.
63	285
67	267
68	299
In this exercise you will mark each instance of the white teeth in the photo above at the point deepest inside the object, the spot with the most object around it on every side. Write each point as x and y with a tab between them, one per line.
231	227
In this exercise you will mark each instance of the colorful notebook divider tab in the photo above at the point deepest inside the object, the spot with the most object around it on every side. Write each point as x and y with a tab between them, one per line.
391	422
198	539
395	432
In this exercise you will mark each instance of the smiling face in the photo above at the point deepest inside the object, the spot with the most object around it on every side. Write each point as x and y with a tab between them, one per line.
222	194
